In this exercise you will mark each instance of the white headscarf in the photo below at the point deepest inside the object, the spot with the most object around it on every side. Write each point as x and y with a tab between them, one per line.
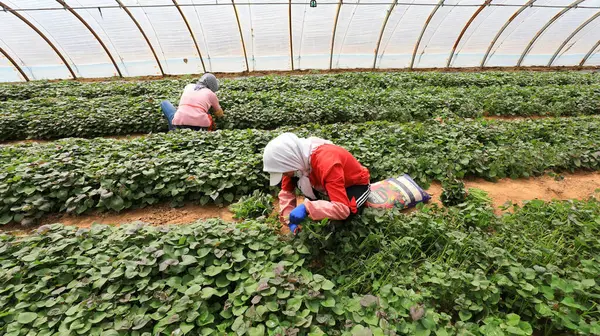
287	153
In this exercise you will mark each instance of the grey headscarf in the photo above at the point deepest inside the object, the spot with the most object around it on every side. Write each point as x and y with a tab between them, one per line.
209	81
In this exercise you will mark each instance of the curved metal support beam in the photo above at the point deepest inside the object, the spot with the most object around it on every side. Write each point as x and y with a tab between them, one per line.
589	54
464	30
337	16
568	39
14	63
541	31
237	18
511	19
39	32
139	27
435	9
291	43
385	21
67	7
189	28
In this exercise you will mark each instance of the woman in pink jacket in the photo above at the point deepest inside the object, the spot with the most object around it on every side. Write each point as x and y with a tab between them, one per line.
195	105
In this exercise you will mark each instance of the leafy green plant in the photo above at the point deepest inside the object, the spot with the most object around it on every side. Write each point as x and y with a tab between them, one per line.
453	192
385	273
71	109
206	278
78	175
251	207
510	279
347	80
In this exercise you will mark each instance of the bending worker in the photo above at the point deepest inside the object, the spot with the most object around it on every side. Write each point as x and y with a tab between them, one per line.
318	168
195	105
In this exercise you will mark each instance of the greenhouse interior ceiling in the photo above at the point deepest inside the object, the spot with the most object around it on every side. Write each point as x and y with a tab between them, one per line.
63	39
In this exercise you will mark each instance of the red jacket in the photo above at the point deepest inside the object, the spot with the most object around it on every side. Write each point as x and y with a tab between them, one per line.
333	169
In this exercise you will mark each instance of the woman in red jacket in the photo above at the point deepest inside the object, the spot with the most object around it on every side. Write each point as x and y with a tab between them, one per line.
317	167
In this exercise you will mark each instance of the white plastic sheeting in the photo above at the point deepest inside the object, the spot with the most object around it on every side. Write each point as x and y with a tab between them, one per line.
155	37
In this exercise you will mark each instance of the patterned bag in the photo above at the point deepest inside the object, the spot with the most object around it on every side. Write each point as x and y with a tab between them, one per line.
401	192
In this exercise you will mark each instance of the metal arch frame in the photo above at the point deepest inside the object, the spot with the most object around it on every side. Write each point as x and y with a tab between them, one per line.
14	63
137	24
42	35
237	18
291	43
385	21
464	30
511	19
541	31
589	54
431	15
187	24
67	7
568	39
335	23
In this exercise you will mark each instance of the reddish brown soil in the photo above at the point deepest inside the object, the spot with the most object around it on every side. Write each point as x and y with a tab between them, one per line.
509	118
116	137
20	142
573	186
161	214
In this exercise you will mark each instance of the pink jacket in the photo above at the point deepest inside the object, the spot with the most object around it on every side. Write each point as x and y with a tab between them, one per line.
194	106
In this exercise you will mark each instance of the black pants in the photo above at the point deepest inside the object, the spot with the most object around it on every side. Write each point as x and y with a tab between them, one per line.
359	192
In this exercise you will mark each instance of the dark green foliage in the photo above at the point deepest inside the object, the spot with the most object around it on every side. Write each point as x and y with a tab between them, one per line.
532	270
203	279
453	192
70	109
77	175
349	80
253	206
430	272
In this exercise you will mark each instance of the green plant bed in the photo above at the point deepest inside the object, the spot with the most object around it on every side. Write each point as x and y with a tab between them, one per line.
348	80
531	271
433	272
78	175
51	118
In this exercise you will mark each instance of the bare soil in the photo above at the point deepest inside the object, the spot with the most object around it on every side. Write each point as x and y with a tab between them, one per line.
580	186
162	214
510	118
35	141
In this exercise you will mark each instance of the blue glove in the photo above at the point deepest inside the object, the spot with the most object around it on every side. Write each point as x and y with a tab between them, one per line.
294	228
298	214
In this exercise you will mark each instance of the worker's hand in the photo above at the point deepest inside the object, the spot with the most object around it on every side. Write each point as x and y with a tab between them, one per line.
298	215
294	229
219	113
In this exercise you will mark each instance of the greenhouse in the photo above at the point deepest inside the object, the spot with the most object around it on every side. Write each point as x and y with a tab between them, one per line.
299	168
45	39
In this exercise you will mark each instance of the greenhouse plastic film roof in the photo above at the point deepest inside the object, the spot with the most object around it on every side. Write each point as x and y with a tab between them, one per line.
52	39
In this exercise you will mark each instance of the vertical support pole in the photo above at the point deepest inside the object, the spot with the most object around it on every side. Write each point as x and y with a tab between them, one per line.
139	27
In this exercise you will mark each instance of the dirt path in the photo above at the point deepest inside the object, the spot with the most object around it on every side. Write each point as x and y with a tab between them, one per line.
34	141
573	186
162	214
